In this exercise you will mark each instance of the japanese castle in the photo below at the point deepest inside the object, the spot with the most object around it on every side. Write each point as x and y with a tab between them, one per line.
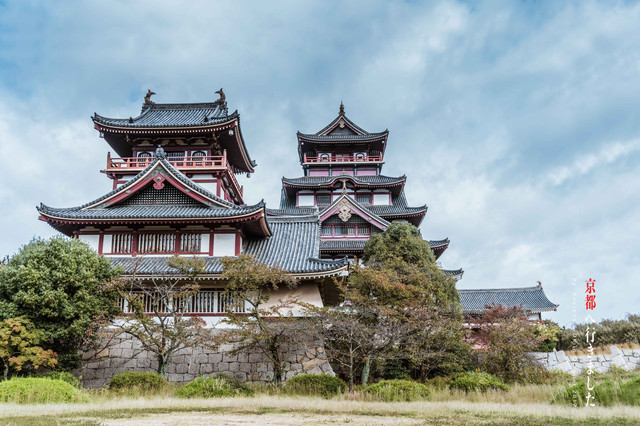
175	192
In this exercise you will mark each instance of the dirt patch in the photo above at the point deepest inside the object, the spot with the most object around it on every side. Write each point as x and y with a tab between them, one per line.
203	418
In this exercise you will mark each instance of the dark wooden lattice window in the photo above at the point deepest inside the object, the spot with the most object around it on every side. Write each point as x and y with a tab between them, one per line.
190	243
156	243
169	195
324	200
326	230
121	243
363	198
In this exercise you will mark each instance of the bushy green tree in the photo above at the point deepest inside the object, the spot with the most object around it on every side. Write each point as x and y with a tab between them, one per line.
59	285
402	306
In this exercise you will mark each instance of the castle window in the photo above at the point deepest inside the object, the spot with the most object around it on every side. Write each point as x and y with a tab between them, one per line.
363	198
190	243
156	243
121	243
324	200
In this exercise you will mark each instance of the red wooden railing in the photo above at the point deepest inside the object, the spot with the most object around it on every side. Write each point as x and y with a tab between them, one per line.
343	159
189	162
202	163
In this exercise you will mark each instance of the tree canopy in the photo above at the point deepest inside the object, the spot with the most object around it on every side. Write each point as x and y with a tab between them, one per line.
58	284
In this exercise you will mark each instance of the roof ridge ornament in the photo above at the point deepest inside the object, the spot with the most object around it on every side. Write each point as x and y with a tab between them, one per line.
160	154
341	109
147	98
222	101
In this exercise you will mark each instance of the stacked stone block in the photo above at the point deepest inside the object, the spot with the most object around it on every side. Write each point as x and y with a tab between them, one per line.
125	354
627	359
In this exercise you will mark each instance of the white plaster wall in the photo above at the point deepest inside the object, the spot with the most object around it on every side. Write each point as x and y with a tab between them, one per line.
381	199
106	243
306	200
224	245
91	240
212	187
204	243
306	292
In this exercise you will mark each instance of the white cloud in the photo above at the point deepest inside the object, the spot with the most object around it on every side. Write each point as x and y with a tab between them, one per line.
516	125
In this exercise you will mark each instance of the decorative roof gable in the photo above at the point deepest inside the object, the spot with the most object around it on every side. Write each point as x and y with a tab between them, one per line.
346	206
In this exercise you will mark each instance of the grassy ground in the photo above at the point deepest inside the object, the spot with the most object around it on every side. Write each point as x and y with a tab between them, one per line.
523	404
273	409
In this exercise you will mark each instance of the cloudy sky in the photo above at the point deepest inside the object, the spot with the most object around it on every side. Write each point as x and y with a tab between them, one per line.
518	124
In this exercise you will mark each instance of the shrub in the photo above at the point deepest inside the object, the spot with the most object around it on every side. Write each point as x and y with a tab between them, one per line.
398	390
139	381
395	369
32	390
630	392
438	382
214	387
60	375
477	381
605	394
324	385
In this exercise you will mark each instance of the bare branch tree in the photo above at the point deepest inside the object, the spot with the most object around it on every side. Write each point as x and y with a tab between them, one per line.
156	311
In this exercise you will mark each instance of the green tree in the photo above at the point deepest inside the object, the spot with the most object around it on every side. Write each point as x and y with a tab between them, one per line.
407	305
59	285
271	329
156	307
18	346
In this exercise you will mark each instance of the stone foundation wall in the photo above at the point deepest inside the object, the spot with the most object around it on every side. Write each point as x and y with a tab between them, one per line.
627	359
125	354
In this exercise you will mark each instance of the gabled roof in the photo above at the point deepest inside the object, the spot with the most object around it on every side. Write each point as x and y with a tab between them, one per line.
343	131
439	246
456	274
352	206
532	299
316	182
188	201
185	118
293	247
172	115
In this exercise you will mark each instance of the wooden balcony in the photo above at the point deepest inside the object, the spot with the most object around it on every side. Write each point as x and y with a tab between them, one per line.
337	159
137	164
186	164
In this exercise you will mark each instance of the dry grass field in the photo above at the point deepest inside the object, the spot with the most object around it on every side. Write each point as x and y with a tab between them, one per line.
487	409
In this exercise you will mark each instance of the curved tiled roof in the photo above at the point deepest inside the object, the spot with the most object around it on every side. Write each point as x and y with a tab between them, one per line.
340	245
173	115
438	243
293	247
330	180
532	299
150	212
342	138
292	211
385	211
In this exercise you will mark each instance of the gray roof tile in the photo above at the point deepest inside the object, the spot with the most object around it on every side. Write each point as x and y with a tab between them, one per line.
330	180
119	211
294	247
173	115
532	299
